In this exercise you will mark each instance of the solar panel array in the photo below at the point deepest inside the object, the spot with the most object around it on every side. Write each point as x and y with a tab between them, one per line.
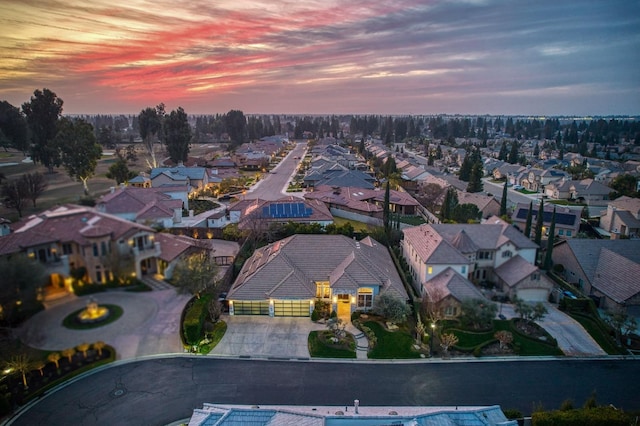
561	218
286	210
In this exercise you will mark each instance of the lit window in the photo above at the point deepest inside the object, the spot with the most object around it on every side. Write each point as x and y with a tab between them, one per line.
365	298
323	290
429	270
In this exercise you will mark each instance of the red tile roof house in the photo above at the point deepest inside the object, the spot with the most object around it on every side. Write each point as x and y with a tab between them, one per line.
71	237
365	205
249	214
286	277
161	206
477	252
606	270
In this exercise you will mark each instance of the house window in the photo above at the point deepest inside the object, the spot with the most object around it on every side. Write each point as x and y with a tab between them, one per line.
103	248
450	311
365	298
67	248
535	276
429	270
323	290
560	231
98	275
485	255
568	233
95	249
464	270
507	253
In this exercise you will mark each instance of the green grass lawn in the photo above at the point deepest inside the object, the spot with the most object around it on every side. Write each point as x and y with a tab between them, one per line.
219	329
391	344
602	338
318	348
357	226
528	346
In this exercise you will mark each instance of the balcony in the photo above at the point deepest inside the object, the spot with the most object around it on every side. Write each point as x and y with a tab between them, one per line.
145	252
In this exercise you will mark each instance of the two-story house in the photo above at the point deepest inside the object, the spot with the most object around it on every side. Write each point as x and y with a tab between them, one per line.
77	240
622	217
567	219
486	252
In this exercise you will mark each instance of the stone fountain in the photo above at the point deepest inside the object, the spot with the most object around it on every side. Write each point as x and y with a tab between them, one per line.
93	312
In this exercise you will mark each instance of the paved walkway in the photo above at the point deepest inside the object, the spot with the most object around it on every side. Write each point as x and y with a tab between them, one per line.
362	343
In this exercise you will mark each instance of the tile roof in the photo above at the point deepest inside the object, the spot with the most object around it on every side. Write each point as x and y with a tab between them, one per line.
587	252
617	276
486	236
68	223
515	270
431	247
174	246
290	267
450	283
180	172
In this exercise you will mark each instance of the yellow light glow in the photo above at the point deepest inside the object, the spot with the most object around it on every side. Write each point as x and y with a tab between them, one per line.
335	299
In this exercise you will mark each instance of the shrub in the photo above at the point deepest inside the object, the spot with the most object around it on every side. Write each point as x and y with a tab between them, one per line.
585	417
512	414
193	320
315	316
391	307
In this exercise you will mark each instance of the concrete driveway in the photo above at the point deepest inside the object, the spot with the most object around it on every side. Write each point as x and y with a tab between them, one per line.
262	336
572	338
149	324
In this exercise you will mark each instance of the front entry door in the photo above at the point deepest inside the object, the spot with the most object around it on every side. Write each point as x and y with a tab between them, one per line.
344	307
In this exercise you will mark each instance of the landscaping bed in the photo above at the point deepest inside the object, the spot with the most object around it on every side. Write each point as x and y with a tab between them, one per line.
323	345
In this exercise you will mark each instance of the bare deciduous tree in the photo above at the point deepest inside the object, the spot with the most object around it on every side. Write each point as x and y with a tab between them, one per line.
504	337
447	340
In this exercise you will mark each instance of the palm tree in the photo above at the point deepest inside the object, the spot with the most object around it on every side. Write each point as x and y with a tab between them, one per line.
54	357
21	364
99	345
68	353
83	347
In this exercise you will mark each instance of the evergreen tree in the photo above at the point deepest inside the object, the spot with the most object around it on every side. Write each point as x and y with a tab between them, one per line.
449	203
536	151
386	210
548	262
503	201
504	152
465	169
475	180
527	227
513	154
539	223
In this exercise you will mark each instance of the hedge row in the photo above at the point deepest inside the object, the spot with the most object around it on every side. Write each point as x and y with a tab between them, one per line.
193	320
584	417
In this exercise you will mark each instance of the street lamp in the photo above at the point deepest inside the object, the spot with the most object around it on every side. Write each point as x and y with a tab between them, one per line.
433	334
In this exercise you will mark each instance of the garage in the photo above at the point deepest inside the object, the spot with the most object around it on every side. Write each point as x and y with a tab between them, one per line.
250	307
533	294
291	308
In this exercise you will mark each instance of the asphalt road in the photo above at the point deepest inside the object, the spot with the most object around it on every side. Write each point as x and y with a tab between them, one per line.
159	391
274	185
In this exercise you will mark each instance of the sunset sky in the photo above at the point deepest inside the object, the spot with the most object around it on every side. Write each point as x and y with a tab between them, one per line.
512	57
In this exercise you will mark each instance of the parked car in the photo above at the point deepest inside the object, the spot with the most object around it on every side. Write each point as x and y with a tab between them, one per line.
569	295
518	187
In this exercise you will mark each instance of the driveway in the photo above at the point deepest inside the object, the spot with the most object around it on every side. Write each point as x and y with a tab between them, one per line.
572	338
149	324
262	336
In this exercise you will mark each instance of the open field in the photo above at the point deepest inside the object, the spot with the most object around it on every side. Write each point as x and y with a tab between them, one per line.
62	189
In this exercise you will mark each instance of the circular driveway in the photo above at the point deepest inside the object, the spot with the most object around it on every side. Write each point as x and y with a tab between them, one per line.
149	324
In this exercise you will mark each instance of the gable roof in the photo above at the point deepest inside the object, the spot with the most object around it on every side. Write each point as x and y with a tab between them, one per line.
431	247
515	270
68	223
617	276
290	267
450	283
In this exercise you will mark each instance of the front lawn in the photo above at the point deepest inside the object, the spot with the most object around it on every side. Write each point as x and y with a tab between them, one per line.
321	346
391	344
539	343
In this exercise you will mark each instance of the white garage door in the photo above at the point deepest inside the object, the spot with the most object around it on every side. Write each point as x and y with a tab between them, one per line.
533	294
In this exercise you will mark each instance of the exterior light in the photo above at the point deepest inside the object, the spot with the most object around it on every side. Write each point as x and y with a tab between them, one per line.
335	299
353	300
